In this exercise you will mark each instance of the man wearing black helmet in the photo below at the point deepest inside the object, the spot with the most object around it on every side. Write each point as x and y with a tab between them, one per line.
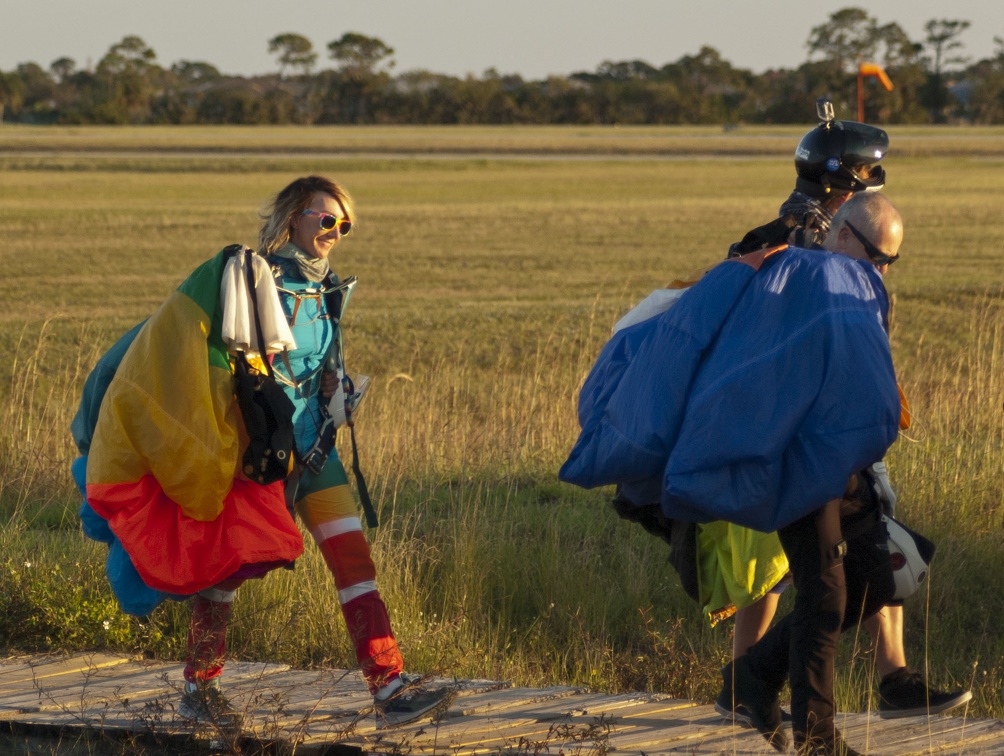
833	162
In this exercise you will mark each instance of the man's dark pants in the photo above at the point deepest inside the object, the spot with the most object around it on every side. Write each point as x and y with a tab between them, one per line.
838	582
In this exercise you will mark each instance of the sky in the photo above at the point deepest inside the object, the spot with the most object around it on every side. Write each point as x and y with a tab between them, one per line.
532	38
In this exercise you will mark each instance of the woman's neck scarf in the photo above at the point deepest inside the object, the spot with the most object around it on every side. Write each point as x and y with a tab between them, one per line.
312	268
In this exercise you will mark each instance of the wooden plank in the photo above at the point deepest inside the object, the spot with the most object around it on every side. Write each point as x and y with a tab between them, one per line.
242	670
711	741
318	705
922	736
532	721
512	708
862	725
693	738
74	689
130	681
528	738
518	721
325	704
293	695
655	705
143	700
499	700
630	716
21	671
121	674
577	704
80	700
634	720
471	697
340	692
144	697
687	726
458	726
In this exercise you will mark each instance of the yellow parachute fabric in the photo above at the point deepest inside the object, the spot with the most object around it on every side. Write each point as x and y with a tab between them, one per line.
736	567
170	413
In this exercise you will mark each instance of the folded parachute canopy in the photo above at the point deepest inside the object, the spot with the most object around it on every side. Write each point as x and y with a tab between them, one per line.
752	399
159	427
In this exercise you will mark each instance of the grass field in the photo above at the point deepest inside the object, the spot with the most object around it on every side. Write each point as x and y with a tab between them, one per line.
489	279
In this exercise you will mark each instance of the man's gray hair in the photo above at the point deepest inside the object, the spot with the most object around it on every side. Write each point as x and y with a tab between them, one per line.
867	211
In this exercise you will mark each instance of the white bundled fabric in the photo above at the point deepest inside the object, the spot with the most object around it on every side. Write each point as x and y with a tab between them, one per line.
238	317
655	303
884	488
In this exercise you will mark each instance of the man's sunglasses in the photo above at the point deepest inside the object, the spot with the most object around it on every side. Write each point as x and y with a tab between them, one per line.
875	254
329	221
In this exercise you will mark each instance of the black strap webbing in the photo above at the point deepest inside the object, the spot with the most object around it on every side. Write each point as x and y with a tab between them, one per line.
364	494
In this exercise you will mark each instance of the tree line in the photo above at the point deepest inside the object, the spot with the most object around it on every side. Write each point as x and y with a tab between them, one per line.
935	82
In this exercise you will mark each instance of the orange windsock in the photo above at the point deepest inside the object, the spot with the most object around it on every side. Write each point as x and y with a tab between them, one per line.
873	69
870	69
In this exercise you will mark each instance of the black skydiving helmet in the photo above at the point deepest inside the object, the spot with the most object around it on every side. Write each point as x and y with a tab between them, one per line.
831	156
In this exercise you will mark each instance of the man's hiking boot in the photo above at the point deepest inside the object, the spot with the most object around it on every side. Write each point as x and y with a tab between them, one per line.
904	693
748	701
411	702
207	704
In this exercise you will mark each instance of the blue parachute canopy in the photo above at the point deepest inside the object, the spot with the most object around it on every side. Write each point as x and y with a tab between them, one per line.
752	399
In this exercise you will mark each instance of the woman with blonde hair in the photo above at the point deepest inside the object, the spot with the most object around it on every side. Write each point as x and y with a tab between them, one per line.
164	450
303	224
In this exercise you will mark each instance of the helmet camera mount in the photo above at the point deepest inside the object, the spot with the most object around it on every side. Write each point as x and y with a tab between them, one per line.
824	111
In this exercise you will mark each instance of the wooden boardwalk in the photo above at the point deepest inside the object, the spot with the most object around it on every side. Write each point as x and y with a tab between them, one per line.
101	703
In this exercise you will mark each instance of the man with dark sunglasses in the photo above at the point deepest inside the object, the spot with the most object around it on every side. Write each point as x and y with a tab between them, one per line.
862	218
881	259
840	573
